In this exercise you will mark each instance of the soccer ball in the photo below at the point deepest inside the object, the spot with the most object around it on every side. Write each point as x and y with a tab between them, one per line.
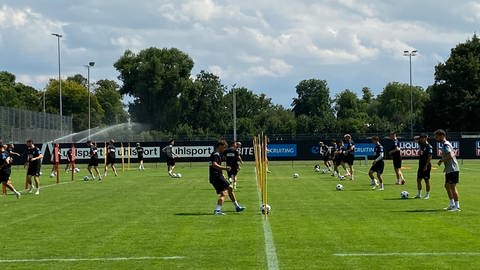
404	194
316	168
296	175
324	171
178	175
77	169
341	177
86	178
339	187
265	208
52	174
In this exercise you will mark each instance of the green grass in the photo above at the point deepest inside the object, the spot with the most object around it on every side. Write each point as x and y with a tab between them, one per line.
147	214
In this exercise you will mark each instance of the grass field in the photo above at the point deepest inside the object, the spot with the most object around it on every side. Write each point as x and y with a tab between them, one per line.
146	220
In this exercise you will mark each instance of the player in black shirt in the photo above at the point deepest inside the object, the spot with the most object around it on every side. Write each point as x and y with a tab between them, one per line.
378	164
349	154
232	157
397	159
34	160
139	150
325	155
111	151
93	163
5	169
222	187
69	159
424	165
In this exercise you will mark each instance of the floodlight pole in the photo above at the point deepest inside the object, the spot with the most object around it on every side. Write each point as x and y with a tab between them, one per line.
90	64
410	54
234	107
59	83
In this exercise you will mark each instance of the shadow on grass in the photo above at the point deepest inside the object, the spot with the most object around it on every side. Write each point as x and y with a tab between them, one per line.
420	210
194	214
395	199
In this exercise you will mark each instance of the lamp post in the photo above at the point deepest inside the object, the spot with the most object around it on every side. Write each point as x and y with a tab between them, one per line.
410	54
90	64
234	108
59	82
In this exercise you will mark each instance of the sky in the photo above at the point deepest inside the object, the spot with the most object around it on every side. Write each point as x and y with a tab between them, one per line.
266	46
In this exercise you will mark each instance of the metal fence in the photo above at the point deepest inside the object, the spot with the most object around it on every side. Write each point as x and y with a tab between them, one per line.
17	126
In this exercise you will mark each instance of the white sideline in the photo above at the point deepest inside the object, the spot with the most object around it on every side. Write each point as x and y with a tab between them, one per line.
407	254
270	250
88	259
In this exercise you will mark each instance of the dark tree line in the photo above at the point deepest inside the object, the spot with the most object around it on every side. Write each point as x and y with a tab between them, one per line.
171	100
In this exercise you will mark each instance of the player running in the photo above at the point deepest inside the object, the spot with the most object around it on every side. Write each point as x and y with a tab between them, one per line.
424	166
93	163
325	154
222	187
232	157
452	170
377	165
349	154
6	169
111	152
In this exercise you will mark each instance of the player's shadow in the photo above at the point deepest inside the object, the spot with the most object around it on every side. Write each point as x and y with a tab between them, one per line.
194	214
419	210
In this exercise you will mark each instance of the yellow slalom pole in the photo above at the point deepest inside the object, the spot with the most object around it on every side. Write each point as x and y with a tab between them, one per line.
123	157
128	153
105	155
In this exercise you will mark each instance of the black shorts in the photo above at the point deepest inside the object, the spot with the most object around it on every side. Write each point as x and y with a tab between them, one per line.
397	162
337	161
140	158
452	177
421	174
219	183
33	170
170	161
233	171
349	159
378	167
93	162
4	177
326	158
110	160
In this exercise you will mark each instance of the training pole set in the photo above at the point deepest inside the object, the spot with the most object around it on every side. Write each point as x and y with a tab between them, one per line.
261	163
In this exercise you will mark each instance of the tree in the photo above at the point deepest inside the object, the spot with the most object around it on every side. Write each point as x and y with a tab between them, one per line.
455	94
314	103
74	103
18	95
78	78
155	78
351	115
110	99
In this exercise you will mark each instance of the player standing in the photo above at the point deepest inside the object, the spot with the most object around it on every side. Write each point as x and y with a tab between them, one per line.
349	153
397	159
69	159
111	153
452	170
232	157
139	150
6	169
168	150
424	166
222	187
34	160
378	165
93	163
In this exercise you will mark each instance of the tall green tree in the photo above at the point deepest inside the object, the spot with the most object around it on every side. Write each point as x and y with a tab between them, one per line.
351	115
108	95
455	95
155	78
17	95
74	103
313	107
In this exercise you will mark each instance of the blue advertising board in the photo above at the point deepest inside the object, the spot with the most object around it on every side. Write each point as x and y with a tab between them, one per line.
364	149
281	150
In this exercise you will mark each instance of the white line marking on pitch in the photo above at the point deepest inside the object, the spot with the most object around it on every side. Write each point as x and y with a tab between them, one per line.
407	254
89	259
270	250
